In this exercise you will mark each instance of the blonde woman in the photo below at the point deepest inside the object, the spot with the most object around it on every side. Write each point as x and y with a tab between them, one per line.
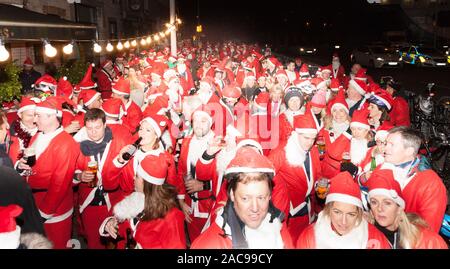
341	225
387	212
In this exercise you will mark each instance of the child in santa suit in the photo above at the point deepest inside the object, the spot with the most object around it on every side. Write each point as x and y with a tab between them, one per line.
151	213
341	224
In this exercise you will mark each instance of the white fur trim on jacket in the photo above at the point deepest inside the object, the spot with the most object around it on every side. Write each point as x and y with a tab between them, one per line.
130	206
295	155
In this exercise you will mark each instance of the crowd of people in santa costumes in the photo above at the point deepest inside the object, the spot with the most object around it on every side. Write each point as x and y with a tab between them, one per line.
219	146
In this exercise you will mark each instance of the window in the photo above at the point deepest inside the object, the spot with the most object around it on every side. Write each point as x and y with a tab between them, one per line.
112	29
85	14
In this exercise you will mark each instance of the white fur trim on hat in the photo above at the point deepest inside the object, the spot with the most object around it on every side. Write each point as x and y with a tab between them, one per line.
248	170
25	108
357	87
344	198
10	240
150	179
89	87
360	124
50	111
306	130
250	142
154	125
383	100
340	105
203	113
391	194
118	92
381	135
96	95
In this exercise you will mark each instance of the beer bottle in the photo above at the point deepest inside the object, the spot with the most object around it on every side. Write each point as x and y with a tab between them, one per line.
130	152
131	243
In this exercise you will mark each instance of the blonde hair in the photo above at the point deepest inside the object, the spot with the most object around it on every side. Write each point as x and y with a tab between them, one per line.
409	225
328	121
327	212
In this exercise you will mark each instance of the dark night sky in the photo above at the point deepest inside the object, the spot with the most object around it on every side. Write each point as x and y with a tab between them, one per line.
251	20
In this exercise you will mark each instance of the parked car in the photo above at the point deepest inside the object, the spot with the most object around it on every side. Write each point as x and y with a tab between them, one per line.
424	56
377	56
307	50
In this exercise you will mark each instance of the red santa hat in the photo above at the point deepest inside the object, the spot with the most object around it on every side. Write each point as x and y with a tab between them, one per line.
113	107
51	105
274	61
86	82
246	140
9	230
157	72
335	85
383	131
231	91
361	74
46	83
203	111
121	86
28	62
335	55
344	189
339	101
262	99
319	99
360	118
26	104
158	123
359	85
64	88
249	160
382	99
88	96
382	183
281	73
304	71
305	124
153	169
120	56
326	69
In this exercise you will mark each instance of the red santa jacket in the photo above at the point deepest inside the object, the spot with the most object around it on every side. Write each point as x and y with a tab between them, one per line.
120	130
107	175
163	233
339	73
400	112
424	194
133	116
104	81
334	148
67	118
17	137
430	240
200	208
213	237
375	238
187	82
292	186
56	155
202	72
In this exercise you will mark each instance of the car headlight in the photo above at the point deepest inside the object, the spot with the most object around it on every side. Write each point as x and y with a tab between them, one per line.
337	47
315	49
380	59
399	59
446	52
302	49
422	59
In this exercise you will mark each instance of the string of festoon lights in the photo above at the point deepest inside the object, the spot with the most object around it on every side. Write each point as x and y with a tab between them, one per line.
50	51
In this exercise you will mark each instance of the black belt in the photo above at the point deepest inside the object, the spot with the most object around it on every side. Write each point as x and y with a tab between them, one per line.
38	190
195	199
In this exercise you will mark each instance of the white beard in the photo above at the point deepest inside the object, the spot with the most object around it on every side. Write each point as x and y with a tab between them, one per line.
358	150
336	64
181	68
295	155
339	128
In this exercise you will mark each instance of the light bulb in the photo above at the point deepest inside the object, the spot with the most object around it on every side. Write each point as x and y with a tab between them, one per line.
156	37
134	43
50	51
168	25
109	47
97	48
162	35
4	54
143	42
167	31
119	46
127	44
149	40
178	21
68	49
